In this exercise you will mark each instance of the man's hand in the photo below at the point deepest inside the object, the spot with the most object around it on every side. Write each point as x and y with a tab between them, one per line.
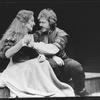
58	60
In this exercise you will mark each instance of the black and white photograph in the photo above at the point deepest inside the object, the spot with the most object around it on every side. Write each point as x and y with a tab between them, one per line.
50	49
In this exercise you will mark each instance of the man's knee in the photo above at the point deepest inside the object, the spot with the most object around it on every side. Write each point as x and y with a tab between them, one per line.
73	64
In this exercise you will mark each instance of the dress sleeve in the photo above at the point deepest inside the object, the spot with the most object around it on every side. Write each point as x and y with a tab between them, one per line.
46	49
8	44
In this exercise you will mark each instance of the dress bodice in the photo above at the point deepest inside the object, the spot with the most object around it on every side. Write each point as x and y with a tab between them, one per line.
25	53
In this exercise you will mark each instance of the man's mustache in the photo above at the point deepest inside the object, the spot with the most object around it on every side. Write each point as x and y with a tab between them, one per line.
44	29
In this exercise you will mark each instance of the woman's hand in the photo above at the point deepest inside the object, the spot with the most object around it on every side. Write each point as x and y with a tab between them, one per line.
31	44
26	40
41	58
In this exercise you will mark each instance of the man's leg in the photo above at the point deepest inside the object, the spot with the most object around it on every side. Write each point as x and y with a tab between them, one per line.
71	69
74	70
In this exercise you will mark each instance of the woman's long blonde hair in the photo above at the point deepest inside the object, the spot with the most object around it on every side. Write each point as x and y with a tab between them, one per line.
17	30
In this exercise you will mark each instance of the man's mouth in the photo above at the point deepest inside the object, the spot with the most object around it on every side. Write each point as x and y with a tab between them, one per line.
43	29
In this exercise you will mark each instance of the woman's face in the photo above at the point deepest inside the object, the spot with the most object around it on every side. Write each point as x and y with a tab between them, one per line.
30	23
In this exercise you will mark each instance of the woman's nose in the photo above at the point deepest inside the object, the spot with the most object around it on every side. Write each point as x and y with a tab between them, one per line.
34	23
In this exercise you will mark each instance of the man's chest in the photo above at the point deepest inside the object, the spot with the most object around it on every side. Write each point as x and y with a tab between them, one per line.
47	38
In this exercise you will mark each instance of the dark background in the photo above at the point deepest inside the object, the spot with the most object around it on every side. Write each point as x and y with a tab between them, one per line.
80	19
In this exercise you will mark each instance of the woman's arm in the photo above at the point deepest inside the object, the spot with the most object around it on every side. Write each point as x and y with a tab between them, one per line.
23	42
46	49
43	48
12	50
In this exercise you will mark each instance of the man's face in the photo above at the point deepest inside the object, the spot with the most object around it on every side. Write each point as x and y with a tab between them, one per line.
44	24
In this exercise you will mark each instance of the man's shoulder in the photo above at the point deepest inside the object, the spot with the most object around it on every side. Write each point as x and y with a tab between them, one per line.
60	31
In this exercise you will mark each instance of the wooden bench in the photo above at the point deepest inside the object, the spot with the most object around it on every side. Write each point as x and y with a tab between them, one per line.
92	82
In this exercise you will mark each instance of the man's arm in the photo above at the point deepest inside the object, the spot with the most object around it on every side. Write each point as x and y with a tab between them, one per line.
61	39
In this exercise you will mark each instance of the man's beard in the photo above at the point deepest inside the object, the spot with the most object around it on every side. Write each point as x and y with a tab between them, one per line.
45	31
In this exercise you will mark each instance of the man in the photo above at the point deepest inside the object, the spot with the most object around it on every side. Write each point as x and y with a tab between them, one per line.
65	68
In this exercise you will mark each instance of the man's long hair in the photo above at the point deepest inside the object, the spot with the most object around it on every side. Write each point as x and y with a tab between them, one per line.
50	15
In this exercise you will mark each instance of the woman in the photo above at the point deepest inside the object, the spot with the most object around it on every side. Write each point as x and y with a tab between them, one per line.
28	74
